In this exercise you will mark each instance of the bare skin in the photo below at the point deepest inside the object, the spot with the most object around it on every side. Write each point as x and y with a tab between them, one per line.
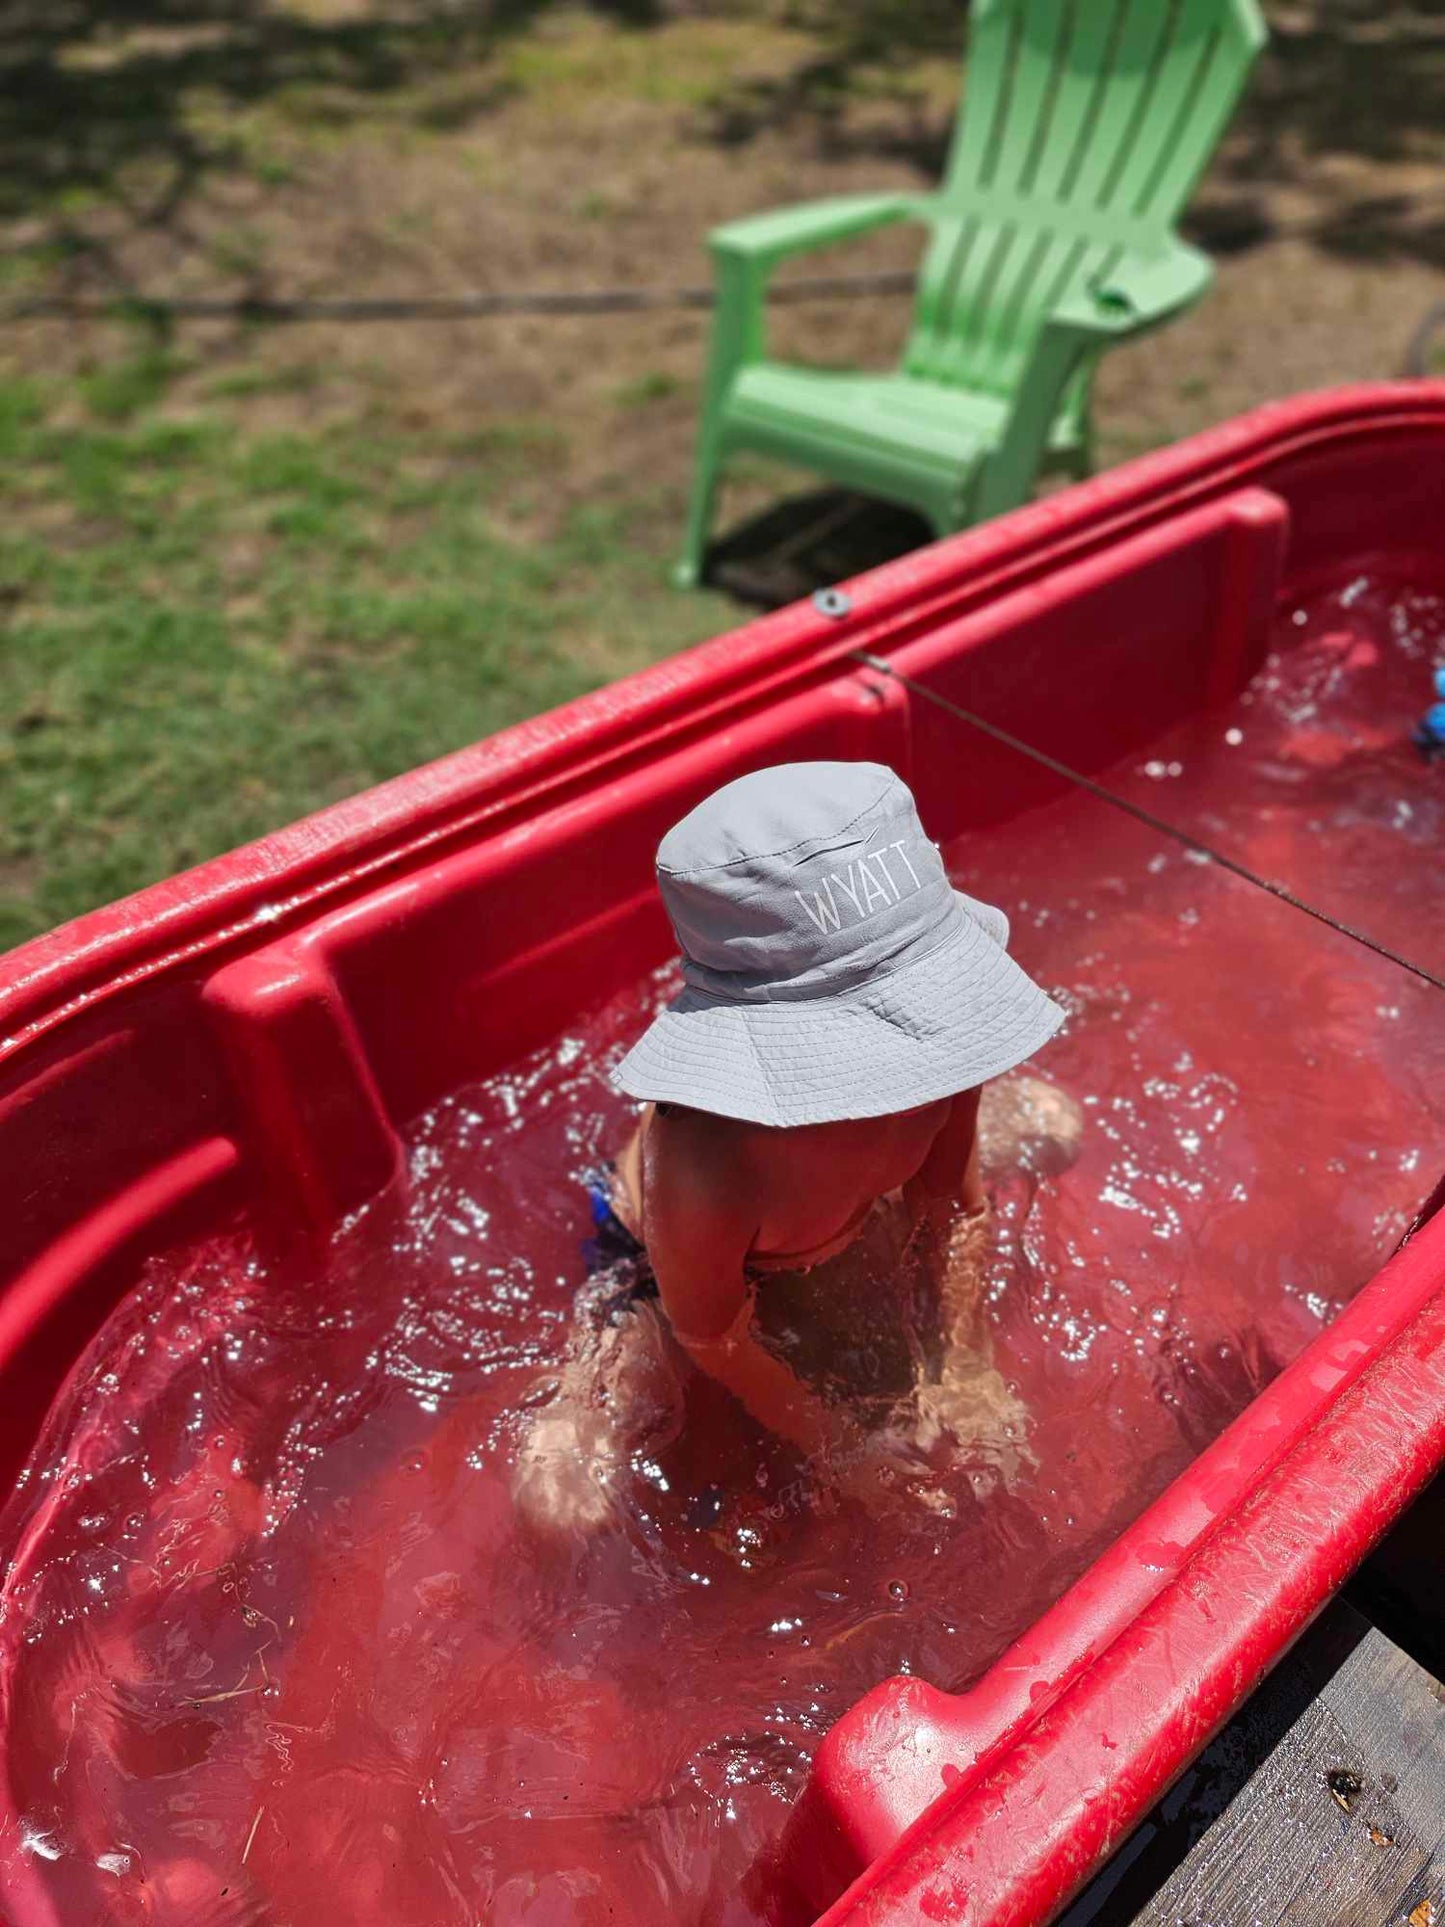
720	1204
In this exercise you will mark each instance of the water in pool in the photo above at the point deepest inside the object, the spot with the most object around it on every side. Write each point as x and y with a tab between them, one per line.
276	1648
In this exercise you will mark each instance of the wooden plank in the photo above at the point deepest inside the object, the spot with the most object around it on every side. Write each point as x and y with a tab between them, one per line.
1321	1805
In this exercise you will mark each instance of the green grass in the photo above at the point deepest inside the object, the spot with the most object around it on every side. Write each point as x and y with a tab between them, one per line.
656	384
120	389
208	632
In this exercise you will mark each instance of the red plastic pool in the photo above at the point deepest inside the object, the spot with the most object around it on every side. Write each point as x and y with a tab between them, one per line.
253	1034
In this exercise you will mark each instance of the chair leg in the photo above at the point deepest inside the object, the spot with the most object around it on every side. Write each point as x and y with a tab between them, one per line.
737	337
1081	418
688	572
951	512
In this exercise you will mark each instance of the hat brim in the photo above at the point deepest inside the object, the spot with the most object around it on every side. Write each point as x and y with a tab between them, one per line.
963	1013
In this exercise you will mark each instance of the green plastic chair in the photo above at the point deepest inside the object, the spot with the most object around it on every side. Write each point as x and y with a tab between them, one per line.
1088	123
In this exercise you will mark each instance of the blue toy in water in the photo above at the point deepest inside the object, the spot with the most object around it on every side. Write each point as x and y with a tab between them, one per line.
1430	736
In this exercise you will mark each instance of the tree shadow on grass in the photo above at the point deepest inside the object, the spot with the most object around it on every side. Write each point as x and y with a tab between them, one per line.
859	47
96	96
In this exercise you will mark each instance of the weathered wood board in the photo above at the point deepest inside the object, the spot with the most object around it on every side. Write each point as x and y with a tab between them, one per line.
1321	1805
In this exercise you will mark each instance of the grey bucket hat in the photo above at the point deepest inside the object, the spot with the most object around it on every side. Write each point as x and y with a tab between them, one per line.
830	969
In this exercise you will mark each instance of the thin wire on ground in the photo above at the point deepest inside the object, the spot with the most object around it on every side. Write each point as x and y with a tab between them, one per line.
450	307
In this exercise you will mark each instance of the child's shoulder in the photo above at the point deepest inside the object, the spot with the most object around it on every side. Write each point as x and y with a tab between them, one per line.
709	1149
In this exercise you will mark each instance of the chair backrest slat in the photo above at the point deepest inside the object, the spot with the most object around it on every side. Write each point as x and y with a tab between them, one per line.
1086	126
1039	37
996	50
1095	46
1195	98
1149	44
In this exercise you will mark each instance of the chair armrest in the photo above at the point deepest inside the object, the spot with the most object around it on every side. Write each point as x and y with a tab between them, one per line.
1140	291
766	239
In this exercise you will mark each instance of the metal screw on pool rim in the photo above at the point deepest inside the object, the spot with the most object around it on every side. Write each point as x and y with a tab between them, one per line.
832	602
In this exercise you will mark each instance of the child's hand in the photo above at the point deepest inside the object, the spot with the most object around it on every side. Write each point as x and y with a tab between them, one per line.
877	1469
566	1475
971	1413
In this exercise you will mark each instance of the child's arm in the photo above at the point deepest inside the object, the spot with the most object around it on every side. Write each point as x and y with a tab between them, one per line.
948	1191
767	1389
949	1179
700	1226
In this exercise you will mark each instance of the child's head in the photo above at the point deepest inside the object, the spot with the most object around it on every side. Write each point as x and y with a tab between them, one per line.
831	970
